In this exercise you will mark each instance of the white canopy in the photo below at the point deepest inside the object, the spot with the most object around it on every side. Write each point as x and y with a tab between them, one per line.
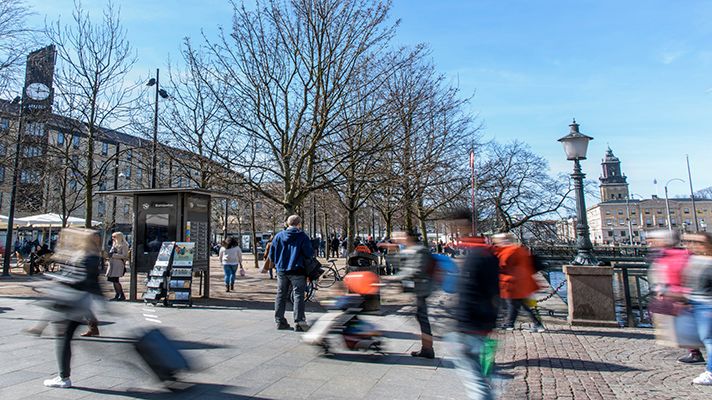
51	220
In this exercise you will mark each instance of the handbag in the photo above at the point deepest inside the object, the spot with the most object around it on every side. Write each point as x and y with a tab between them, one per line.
666	305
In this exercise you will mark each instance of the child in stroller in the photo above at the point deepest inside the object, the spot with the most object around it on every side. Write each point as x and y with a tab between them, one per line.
344	321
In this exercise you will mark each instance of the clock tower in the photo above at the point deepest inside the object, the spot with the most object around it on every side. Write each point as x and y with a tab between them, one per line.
38	94
614	184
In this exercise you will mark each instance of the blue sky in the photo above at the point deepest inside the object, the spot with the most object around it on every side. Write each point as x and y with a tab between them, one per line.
637	75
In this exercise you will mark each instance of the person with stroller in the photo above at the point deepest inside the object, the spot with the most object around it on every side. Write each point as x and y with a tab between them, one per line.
79	254
291	250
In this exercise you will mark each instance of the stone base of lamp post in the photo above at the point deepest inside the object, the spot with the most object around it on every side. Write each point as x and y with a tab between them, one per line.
590	296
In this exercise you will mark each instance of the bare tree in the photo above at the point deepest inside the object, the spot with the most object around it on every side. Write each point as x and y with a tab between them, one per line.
705	193
515	186
15	41
434	134
288	67
94	60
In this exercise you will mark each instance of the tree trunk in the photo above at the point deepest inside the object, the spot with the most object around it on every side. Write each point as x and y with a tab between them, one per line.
424	231
88	182
350	229
254	229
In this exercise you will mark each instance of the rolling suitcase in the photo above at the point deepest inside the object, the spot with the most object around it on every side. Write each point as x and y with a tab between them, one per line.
161	354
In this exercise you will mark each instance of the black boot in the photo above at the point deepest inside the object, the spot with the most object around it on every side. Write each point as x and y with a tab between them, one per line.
227	287
232	286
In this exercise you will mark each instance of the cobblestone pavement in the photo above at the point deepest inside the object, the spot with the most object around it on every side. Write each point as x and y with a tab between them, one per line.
238	355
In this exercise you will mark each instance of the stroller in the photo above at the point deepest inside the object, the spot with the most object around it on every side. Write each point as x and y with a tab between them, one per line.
343	322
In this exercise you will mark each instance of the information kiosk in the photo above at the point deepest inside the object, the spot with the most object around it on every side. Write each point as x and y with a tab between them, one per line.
169	215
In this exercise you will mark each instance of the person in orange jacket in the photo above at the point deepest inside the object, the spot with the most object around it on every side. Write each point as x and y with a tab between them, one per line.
516	281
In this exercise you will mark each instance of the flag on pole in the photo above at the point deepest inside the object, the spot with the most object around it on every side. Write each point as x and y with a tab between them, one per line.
472	158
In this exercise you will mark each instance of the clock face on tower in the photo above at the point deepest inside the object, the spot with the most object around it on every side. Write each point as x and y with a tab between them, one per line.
37	91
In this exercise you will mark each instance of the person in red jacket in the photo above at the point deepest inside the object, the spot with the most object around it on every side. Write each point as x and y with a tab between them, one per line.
516	281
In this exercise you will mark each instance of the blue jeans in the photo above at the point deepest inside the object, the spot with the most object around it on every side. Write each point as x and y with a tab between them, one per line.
467	362
703	318
299	284
230	270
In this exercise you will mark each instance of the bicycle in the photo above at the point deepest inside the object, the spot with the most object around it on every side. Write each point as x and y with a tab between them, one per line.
330	275
308	292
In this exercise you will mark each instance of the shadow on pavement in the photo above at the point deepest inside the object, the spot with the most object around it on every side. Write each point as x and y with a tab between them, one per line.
391	359
180	344
400	335
612	334
177	391
217	304
566	363
4	309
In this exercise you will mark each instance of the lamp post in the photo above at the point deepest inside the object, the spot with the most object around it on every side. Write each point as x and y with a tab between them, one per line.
13	192
154	150
630	222
575	146
667	201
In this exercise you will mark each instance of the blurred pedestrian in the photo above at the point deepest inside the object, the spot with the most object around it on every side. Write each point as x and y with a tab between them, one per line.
698	278
344	246
666	274
79	256
516	281
230	256
291	249
418	268
334	248
118	254
476	310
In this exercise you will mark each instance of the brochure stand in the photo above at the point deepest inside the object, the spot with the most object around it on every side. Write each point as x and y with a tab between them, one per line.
157	283
181	275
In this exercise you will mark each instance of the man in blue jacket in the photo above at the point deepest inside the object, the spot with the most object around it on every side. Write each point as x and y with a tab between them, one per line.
290	251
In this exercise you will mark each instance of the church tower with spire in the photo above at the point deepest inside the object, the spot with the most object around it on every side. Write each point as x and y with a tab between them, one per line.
614	184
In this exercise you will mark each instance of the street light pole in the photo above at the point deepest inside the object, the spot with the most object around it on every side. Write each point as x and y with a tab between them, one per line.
13	193
154	147
155	136
630	224
667	201
584	246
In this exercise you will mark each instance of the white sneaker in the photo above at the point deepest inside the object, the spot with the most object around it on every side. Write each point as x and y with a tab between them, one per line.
537	329
705	378
58	382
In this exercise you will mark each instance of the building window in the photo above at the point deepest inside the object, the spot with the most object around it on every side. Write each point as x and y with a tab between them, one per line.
608	212
686	210
2	173
129	155
647	211
610	233
73	184
4	123
620	211
620	196
76	141
29	176
648	222
102	185
621	221
126	209
34	129
104	149
139	174
31	151
60	138
634	222
673	221
609	221
3	151
659	211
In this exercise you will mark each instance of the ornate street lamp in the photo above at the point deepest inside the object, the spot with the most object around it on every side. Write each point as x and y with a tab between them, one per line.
575	146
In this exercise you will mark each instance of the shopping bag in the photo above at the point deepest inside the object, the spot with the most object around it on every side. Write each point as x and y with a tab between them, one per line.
489	349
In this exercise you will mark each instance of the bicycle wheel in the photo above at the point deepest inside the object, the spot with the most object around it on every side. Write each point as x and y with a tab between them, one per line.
309	291
328	278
